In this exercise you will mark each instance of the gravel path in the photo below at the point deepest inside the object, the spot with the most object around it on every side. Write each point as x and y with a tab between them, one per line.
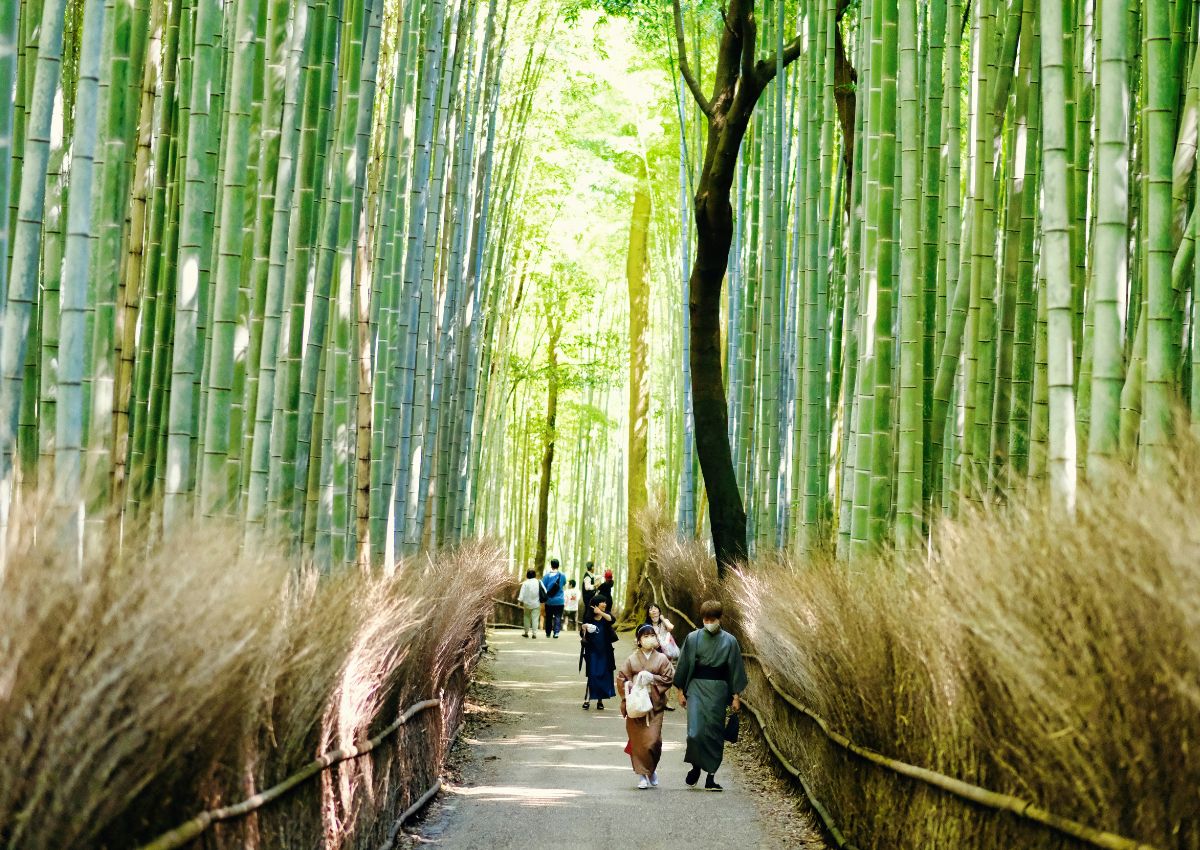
555	776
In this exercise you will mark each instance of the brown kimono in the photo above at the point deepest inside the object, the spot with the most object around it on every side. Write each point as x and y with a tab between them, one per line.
645	733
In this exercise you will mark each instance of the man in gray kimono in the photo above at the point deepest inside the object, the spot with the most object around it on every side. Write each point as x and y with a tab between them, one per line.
710	676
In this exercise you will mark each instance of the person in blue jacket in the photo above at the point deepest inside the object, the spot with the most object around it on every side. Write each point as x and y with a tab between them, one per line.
555	584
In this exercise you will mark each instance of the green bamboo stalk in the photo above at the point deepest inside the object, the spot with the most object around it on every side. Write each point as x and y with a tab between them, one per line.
68	460
216	484
9	28
1159	91
26	247
193	241
295	73
1112	241
909	487
1056	261
882	439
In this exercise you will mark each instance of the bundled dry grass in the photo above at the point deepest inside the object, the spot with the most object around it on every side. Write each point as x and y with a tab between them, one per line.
1057	661
134	695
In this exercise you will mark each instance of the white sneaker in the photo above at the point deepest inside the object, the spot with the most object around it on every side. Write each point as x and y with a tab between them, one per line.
643	783
654	779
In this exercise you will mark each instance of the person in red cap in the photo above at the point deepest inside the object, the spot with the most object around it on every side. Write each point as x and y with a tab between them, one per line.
606	589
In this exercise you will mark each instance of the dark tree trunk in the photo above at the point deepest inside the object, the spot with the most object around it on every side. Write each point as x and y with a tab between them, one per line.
739	80
710	409
543	504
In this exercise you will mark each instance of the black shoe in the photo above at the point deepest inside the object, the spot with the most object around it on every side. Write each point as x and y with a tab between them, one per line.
586	706
693	776
599	705
710	784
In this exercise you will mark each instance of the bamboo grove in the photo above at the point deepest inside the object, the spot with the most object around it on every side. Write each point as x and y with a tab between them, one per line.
250	248
963	261
598	122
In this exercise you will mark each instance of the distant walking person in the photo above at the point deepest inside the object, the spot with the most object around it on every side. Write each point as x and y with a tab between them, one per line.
596	656
555	583
571	610
588	585
650	670
529	598
710	676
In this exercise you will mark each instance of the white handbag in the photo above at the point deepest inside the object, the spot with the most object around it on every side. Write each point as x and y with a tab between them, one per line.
637	696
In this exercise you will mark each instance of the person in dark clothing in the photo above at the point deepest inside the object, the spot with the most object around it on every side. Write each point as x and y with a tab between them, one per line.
588	586
606	589
555	584
596	655
710	677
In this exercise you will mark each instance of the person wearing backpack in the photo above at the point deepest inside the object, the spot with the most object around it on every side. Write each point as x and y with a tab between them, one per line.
555	584
530	599
643	682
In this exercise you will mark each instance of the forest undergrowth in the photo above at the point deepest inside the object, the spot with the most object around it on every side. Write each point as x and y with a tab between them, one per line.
137	692
1053	659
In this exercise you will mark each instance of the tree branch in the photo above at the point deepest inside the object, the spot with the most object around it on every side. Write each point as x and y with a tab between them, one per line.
766	69
749	46
684	68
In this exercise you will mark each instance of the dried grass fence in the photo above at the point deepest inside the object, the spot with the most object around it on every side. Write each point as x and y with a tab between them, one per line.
1033	682
226	695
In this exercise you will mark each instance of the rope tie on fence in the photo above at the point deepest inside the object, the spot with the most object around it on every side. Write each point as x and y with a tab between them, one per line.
964	790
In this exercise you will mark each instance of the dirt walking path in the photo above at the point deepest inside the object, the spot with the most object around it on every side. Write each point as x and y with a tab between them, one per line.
555	776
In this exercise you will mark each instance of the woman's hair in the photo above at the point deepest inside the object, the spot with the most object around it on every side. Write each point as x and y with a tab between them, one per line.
644	628
571	583
711	610
652	607
531	574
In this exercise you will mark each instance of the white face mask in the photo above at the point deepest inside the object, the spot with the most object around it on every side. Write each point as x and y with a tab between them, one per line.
713	627
649	643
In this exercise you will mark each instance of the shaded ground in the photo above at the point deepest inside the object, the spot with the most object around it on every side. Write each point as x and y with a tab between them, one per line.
541	772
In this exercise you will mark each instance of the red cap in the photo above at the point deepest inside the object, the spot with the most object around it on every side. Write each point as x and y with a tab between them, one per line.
608	574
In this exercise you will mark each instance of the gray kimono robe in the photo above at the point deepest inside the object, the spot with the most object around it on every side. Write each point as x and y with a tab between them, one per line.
710	671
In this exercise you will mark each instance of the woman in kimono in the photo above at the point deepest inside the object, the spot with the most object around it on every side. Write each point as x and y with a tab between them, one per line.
710	676
645	733
596	639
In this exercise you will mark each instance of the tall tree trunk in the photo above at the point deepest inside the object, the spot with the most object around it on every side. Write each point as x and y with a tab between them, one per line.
639	385
738	84
543	502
